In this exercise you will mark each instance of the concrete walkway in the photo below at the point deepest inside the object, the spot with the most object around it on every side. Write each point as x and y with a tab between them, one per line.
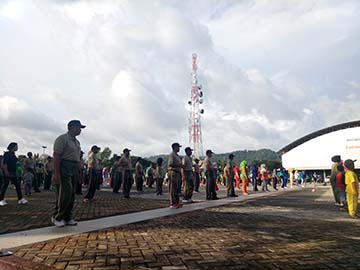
12	240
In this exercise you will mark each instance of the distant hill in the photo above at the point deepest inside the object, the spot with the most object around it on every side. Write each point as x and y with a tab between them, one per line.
250	156
271	158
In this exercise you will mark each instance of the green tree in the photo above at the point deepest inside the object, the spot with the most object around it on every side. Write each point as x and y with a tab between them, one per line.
104	156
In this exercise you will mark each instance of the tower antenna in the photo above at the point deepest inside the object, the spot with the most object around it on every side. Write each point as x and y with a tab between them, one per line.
195	135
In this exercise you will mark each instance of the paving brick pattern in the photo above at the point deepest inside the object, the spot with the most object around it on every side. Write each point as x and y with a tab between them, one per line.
37	213
297	230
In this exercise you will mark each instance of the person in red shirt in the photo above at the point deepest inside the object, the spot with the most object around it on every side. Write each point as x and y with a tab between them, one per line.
237	177
340	185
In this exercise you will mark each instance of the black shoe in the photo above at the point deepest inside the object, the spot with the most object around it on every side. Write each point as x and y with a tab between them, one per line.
234	195
37	191
114	191
214	198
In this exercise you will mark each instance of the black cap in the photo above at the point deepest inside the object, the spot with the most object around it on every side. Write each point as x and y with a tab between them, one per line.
231	155
126	150
188	149
349	163
175	145
209	152
95	147
73	123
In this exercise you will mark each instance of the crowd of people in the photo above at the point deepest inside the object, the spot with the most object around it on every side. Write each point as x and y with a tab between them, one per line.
67	173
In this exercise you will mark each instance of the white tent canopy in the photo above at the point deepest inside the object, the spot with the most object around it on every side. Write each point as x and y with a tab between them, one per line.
314	151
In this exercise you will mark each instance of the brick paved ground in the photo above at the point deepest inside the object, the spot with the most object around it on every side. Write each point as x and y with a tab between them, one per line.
37	213
298	230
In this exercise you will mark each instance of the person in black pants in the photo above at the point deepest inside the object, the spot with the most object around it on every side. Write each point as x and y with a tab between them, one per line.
254	176
117	175
126	169
210	177
93	173
139	175
9	166
197	175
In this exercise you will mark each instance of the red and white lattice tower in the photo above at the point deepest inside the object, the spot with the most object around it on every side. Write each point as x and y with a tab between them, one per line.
195	136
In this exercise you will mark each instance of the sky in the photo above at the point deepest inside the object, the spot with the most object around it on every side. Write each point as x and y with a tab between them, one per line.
271	71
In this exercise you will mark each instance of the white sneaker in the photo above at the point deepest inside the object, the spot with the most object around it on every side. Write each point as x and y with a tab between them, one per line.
23	201
3	203
71	222
57	223
184	201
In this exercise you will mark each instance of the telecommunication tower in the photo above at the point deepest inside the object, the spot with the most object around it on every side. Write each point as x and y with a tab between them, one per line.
195	135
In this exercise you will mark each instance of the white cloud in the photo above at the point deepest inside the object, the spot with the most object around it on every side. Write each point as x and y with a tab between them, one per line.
271	71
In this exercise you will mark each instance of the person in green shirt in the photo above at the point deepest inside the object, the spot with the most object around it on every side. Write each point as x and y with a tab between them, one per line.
19	170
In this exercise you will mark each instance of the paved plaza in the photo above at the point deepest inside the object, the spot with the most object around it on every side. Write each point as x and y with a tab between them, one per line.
41	206
298	229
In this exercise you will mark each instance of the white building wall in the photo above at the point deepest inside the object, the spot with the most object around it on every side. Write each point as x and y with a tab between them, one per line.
316	153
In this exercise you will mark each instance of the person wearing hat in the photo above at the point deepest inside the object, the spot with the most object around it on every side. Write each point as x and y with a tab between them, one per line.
174	172
125	173
66	165
93	166
352	187
210	177
188	176
229	176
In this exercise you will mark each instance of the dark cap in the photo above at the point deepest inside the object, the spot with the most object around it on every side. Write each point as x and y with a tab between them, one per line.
349	163
175	145
209	152
188	149
231	155
73	123
126	150
95	147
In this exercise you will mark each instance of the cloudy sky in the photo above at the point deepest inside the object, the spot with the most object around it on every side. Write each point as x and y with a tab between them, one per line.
272	71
